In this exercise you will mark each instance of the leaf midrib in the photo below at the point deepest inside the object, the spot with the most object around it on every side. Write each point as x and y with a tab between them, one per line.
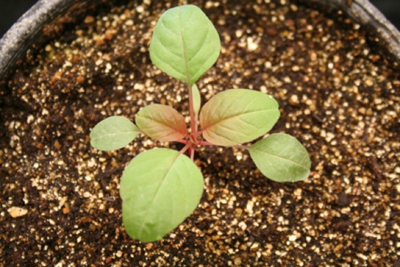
115	133
236	115
188	80
276	156
157	192
179	130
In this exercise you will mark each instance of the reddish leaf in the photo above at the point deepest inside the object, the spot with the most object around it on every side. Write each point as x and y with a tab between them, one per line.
162	122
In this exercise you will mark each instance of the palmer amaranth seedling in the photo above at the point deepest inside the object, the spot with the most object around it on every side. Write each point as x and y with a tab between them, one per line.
161	187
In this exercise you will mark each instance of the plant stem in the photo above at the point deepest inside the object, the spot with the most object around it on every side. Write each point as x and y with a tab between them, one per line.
193	120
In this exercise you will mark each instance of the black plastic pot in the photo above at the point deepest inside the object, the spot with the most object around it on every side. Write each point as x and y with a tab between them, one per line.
44	21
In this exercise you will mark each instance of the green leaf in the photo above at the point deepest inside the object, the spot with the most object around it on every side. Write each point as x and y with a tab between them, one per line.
196	99
113	133
237	116
185	43
160	188
281	158
161	122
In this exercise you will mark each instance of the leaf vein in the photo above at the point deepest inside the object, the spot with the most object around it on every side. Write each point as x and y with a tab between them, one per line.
279	157
157	192
234	116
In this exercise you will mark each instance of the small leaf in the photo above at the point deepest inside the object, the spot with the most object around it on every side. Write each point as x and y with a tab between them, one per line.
281	158
237	116
185	43
161	122
196	99
113	133
160	188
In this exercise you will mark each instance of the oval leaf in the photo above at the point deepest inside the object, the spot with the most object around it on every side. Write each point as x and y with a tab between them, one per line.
281	158
159	189
161	122
185	43
113	133
196	99
237	116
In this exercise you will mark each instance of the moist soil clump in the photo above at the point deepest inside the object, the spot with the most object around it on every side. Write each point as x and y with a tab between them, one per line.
338	95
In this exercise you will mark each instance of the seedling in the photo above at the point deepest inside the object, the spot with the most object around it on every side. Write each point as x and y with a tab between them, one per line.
161	187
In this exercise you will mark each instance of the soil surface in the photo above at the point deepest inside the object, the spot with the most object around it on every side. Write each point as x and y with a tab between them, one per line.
60	204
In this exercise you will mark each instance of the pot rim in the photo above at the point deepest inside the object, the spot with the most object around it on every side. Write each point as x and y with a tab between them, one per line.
368	16
16	41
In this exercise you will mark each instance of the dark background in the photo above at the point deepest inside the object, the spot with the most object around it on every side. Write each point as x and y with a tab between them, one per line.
11	10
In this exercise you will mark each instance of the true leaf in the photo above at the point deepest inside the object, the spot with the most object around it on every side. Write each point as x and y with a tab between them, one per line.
185	43
281	158
237	116
196	99
159	189
113	133
161	122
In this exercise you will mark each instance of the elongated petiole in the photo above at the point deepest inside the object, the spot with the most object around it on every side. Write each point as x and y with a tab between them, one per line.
185	148
192	151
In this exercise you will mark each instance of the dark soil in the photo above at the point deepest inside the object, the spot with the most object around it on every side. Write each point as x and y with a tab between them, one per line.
60	203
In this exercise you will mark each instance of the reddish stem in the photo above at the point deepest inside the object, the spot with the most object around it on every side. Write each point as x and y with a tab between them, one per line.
186	147
182	141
